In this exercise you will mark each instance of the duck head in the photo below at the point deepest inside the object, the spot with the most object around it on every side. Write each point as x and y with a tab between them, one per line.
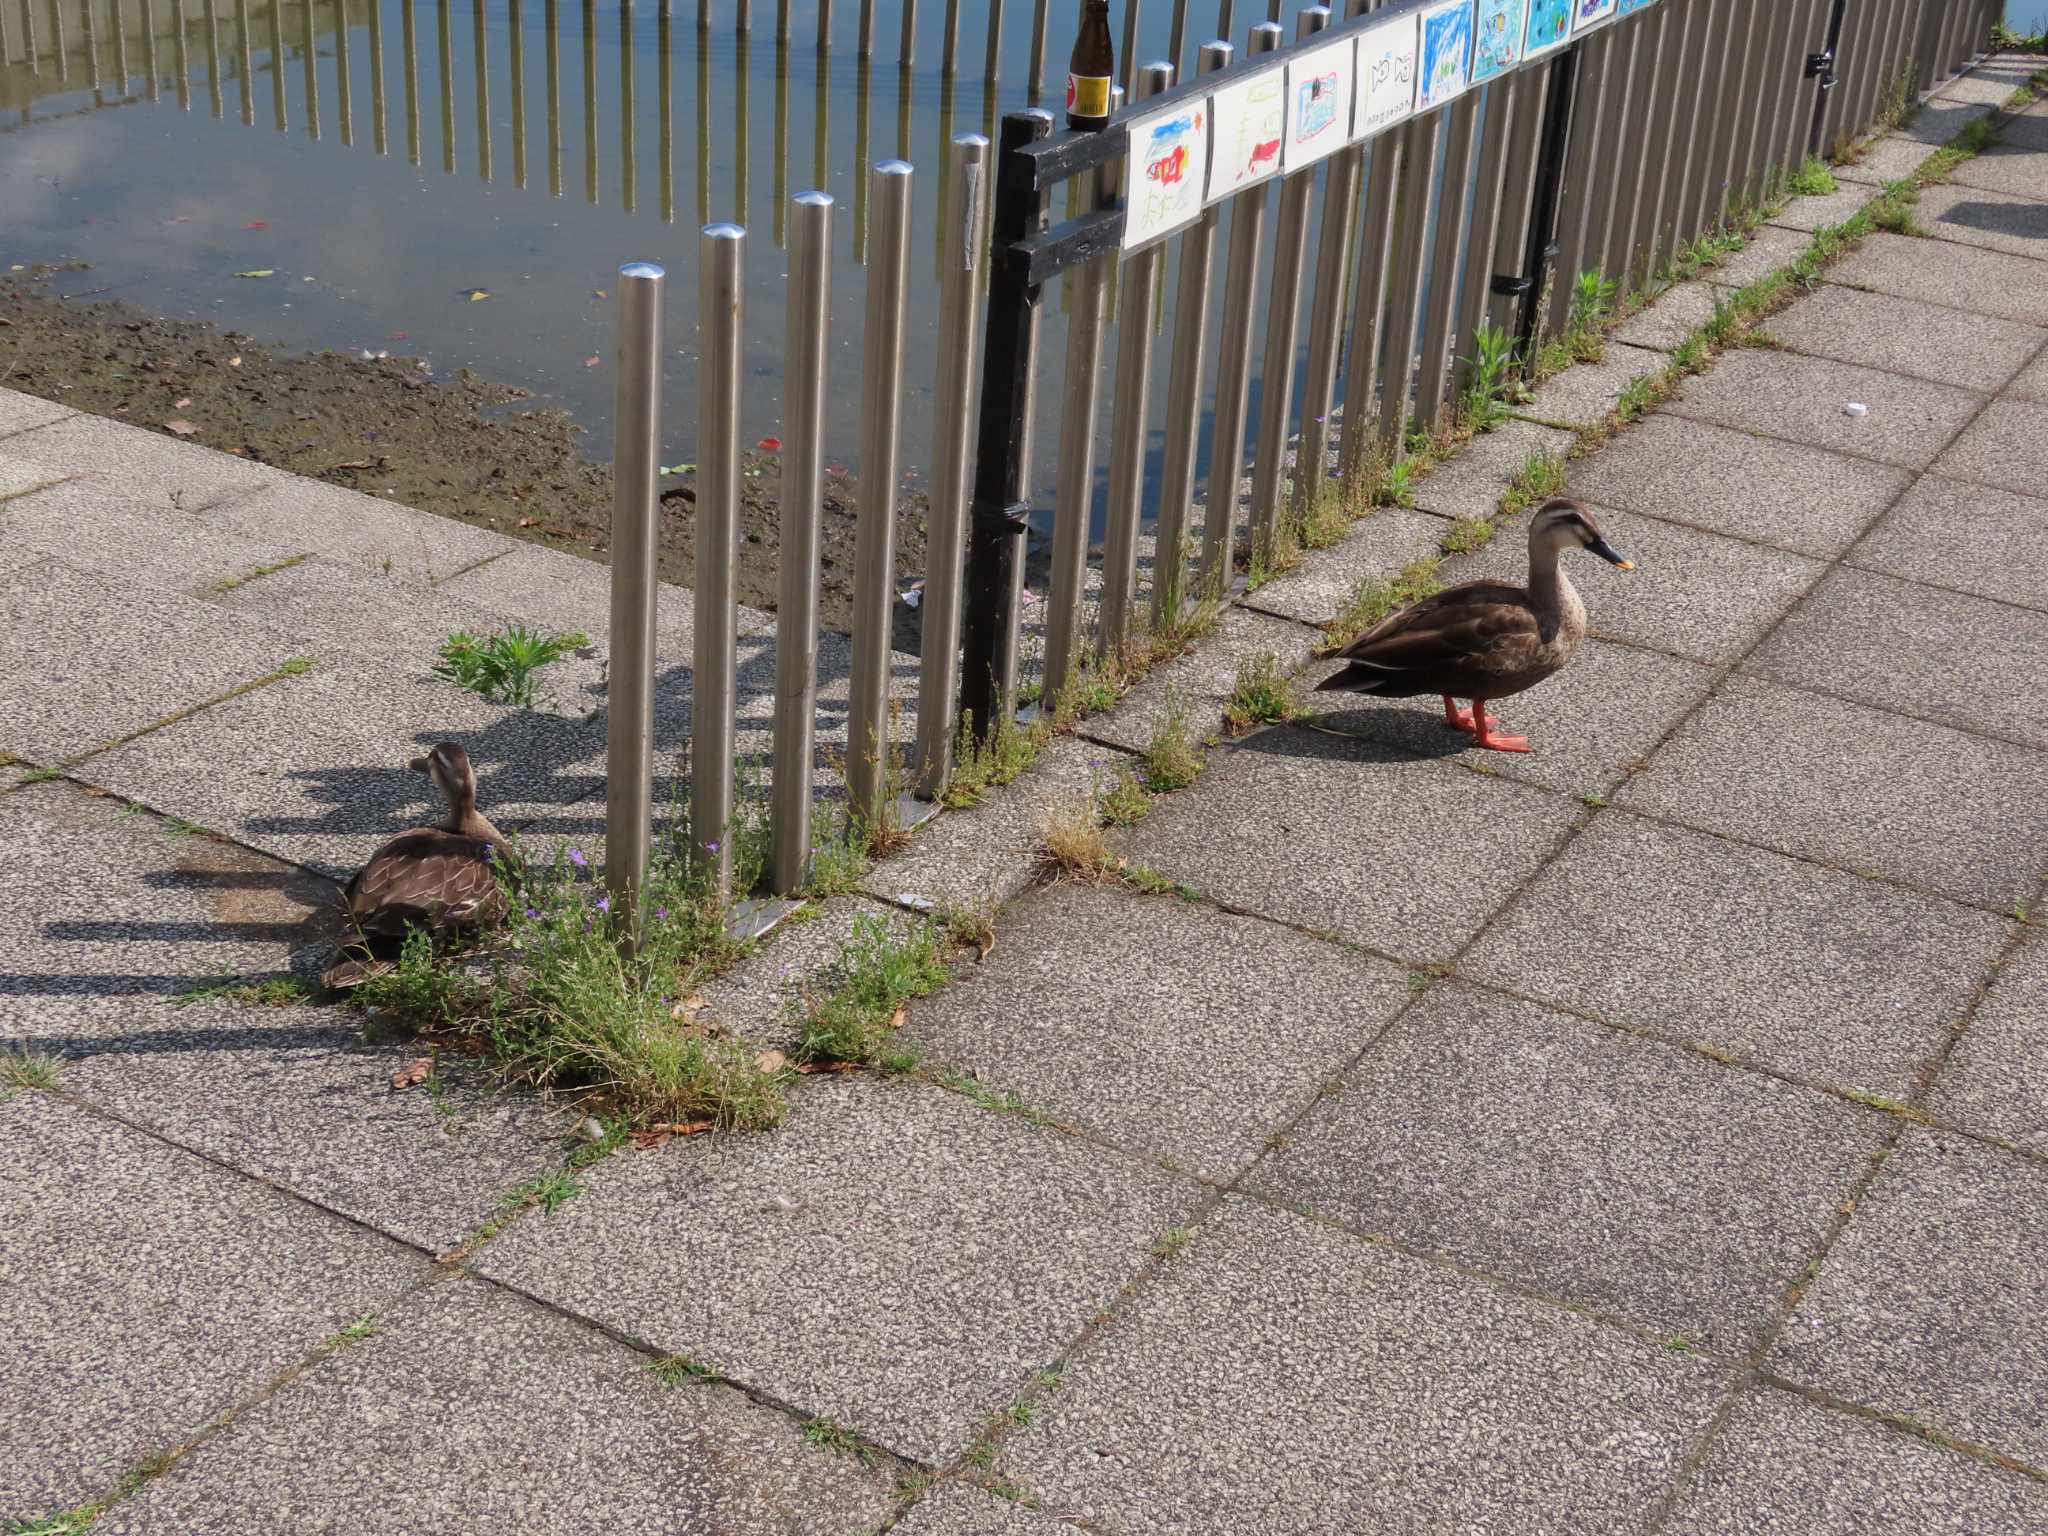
1562	524
448	766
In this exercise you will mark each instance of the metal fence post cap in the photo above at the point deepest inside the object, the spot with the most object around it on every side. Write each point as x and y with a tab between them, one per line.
894	168
724	232
1213	56
642	271
1313	19
813	199
970	141
1266	36
1032	115
1155	77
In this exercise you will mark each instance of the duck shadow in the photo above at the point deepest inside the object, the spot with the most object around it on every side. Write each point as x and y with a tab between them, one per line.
2021	221
1353	733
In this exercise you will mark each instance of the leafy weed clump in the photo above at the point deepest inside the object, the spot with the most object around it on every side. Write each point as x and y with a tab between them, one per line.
501	666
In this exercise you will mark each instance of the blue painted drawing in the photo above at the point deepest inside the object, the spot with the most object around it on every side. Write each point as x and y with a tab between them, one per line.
1589	11
1633	5
1446	54
1550	22
1499	41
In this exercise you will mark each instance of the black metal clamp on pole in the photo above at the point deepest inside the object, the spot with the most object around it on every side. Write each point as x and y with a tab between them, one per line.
1821	66
1552	148
1001	510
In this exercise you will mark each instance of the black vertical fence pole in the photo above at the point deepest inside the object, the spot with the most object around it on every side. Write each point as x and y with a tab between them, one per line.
1821	66
1002	465
1551	150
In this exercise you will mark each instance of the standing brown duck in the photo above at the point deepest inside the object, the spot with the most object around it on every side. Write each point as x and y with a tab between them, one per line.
438	878
1483	640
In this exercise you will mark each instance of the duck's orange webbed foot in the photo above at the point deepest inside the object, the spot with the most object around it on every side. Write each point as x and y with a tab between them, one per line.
1488	738
1459	718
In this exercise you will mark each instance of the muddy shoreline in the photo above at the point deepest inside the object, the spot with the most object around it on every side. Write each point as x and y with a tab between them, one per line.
459	446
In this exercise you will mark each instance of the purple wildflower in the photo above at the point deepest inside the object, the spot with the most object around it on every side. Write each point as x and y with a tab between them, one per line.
661	911
604	903
711	847
533	912
576	857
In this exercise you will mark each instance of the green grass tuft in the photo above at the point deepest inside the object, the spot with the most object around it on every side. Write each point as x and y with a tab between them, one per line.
1375	597
501	666
1262	695
882	973
24	1068
1171	760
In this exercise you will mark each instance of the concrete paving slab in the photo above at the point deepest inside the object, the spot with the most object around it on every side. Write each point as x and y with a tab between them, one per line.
562	592
1968	662
482	1412
23	413
1464	1133
1472	484
2011	168
312	769
1905	336
1798	498
1586	394
1952	533
937	1255
1827	779
94	659
1782	1466
1826	977
1804	400
959	1509
1996	1082
1589	723
1202	681
1322	1383
1933	1304
1999	446
1951	111
1812	213
1768	250
90	528
2032	382
1937	272
763	997
147	466
148	1291
19	477
1333	833
2017	226
370	532
1678	311
1156	1024
1883	160
1693	593
1377	547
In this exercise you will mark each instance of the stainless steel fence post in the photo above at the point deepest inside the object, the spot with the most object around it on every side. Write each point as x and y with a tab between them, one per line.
629	701
1233	364
874	595
949	48
1369	313
1127	57
1177	38
1035	85
1504	94
1504	277
1127	422
806	344
1184	394
721	252
953	386
992	61
1740	107
1419	141
824	26
1701	211
1696	23
866	44
1591	129
1442	305
906	49
1647	100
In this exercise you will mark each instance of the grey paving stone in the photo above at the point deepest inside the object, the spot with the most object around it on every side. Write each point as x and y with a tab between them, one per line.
762	998
1465	1132
1202	681
1969	662
1155	1024
1278	1377
1933	1304
369	532
1990	80
1802	399
20	477
958	1509
1472	484
1782	1466
1779	493
1836	207
2017	226
1951	111
560	591
1956	534
1606	710
1377	547
1678	311
1355	837
1835	781
987	855
2013	168
22	413
148	1291
1886	159
1584	394
1999	446
1905	336
1695	593
92	528
94	659
1768	250
140	464
1824	976
479	1411
2032	382
1996	1082
936	1255
1937	272
312	768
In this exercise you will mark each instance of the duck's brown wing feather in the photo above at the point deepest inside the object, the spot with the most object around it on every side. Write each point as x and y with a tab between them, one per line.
426	878
1436	644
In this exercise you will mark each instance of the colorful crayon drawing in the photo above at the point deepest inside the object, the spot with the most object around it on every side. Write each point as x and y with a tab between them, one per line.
1590	13
1628	6
1319	104
1446	53
1171	155
1550	23
1386	76
1498	45
1250	118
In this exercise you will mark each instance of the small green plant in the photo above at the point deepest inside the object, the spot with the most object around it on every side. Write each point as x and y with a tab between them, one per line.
1586	320
881	973
270	992
298	666
995	1100
1468	535
674	1370
839	862
1070	839
1892	210
1172	1241
229	583
2005	40
1541	477
23	1068
1262	695
1492	365
357	1331
980	765
1812	179
1171	761
1327	518
501	666
40	775
547	1194
1375	597
1397	485
836	1438
1125	802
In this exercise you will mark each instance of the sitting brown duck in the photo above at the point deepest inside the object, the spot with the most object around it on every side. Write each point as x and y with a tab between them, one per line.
438	878
1483	640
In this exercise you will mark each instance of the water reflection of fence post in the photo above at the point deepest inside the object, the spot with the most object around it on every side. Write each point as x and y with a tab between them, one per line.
380	134
629	162
806	344
1184	393
629	703
480	55
1234	364
740	116
874	565
782	21
953	390
63	49
743	16
309	53
552	71
721	250
703	127
590	186
780	191
1127	420
180	53
92	52
127	74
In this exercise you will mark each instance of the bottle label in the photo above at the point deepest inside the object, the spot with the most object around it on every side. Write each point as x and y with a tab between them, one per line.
1088	95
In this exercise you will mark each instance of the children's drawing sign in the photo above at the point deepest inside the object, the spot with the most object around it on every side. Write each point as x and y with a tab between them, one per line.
1497	41
1628	6
1446	68
1387	56
1250	118
1318	104
1590	13
1550	23
1167	171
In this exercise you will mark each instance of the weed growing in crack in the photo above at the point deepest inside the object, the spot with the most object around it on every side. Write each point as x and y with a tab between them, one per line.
268	992
1484	404
1812	179
1541	477
1262	695
836	1438
676	1370
23	1068
1171	761
1125	801
501	666
1071	840
1375	597
1468	535
881	972
1172	1241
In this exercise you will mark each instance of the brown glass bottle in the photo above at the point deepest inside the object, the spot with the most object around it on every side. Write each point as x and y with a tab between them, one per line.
1089	72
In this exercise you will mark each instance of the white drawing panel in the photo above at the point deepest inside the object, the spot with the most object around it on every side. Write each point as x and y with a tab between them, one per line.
1387	59
1318	104
1166	171
1588	14
1248	120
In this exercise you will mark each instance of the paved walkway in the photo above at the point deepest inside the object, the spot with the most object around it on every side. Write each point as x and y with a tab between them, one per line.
1647	1135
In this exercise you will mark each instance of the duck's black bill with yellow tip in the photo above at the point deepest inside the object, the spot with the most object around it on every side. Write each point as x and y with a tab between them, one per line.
1610	554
